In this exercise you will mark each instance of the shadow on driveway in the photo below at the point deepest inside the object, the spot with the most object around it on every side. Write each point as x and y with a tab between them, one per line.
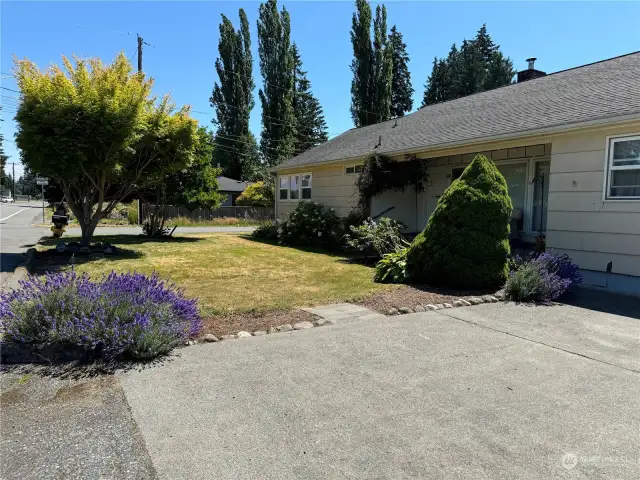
606	302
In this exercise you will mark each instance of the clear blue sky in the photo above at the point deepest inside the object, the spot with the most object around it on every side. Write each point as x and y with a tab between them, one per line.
184	36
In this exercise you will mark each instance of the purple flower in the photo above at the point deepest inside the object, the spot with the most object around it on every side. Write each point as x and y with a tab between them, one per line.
122	313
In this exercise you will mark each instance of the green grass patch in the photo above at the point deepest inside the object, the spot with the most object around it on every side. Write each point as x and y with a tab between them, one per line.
233	273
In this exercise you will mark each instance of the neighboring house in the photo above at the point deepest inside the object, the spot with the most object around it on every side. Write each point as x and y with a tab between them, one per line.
231	189
567	143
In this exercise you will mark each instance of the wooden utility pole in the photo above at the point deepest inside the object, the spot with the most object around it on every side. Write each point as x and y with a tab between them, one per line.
140	42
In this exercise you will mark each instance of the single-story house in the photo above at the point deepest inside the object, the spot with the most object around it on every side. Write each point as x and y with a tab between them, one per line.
231	189
567	143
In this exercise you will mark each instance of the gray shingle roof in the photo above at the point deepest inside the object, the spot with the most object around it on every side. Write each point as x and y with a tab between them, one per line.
607	89
230	185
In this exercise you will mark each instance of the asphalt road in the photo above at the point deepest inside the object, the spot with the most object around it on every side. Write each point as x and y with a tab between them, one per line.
17	234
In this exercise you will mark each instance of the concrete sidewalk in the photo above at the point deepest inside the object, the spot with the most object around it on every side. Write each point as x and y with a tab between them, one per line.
415	396
138	230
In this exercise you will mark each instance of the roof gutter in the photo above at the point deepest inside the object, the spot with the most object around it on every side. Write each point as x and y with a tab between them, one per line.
564	128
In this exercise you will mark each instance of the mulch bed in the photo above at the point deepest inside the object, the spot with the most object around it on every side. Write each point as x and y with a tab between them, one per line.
251	321
414	295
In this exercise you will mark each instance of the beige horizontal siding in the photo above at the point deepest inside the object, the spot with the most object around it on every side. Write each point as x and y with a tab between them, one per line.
592	231
578	201
592	161
330	186
621	264
619	243
576	182
597	222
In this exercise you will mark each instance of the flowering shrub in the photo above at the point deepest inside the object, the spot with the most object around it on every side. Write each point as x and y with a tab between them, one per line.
311	224
542	277
392	268
123	314
377	238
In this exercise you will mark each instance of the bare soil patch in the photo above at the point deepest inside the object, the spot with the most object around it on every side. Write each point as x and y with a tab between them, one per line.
251	321
413	295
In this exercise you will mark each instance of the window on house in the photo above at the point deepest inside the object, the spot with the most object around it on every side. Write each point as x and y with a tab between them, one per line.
284	188
306	186
294	189
623	168
353	169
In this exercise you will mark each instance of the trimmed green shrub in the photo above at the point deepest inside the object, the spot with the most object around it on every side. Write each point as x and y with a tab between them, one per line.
267	231
466	241
311	224
376	238
392	268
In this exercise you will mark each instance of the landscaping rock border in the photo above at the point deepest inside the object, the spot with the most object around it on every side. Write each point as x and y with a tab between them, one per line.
497	297
286	327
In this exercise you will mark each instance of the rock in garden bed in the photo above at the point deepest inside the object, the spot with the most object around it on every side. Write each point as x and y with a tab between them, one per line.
233	323
408	297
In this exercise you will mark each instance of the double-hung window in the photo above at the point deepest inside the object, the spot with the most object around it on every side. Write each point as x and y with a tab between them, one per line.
623	168
305	186
295	187
284	188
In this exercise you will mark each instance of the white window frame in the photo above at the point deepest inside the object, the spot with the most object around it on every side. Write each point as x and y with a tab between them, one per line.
608	167
308	187
294	190
288	178
353	167
280	189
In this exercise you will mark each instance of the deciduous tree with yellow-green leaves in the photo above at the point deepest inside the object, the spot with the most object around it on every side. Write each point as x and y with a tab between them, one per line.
96	130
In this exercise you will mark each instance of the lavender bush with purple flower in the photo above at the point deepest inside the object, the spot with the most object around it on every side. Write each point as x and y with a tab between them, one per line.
541	278
130	315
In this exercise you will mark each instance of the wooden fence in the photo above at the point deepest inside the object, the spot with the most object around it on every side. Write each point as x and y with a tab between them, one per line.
248	213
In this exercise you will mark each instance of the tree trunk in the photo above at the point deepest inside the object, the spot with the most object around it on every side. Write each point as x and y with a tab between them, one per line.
87	232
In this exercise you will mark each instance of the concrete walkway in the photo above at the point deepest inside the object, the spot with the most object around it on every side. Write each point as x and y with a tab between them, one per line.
344	311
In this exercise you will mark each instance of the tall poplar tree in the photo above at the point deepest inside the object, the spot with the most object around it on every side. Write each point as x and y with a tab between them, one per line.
401	89
477	66
235	146
362	66
382	67
277	141
372	66
311	128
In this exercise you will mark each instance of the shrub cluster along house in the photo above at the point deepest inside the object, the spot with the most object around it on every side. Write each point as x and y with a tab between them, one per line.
567	143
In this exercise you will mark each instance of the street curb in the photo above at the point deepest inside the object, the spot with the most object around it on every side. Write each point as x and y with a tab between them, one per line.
22	270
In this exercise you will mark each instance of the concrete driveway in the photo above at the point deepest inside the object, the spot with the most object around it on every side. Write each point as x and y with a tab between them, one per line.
492	391
484	392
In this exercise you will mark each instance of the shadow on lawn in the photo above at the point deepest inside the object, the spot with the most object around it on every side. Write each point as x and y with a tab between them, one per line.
50	261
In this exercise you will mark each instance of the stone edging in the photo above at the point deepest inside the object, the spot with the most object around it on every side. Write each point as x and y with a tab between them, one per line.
498	297
287	327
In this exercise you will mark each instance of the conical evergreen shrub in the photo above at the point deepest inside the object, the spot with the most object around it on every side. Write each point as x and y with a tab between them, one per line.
466	241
